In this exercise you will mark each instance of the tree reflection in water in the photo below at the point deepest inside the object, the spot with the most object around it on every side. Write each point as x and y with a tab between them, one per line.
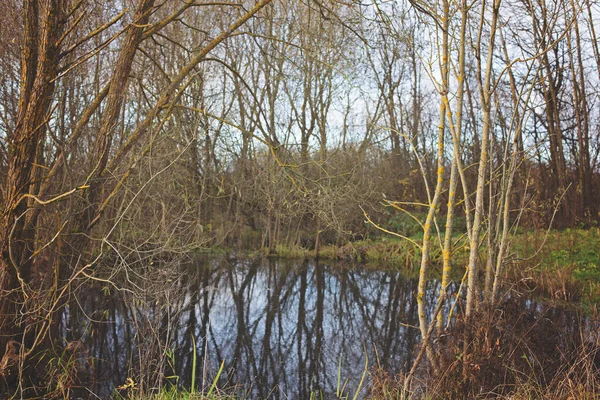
283	327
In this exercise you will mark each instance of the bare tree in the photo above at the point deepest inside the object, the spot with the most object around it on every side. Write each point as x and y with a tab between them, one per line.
31	290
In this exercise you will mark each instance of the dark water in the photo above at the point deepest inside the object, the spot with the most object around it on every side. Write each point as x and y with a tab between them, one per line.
284	329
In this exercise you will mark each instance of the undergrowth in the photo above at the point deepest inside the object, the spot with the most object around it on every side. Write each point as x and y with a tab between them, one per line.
560	265
513	352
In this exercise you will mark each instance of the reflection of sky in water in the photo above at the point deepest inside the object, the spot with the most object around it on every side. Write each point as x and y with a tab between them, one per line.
282	327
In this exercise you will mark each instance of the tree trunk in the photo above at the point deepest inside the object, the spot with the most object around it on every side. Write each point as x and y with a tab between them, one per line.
44	22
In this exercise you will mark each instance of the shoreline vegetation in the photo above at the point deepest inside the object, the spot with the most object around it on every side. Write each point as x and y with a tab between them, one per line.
560	265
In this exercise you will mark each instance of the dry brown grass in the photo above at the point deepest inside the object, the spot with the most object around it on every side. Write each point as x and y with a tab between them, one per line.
519	351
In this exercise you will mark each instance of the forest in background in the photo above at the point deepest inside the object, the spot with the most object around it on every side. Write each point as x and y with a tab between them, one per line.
145	130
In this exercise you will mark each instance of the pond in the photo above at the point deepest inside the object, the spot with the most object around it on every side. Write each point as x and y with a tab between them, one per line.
283	329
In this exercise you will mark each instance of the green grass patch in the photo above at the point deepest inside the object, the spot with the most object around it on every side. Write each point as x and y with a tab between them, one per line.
175	394
565	263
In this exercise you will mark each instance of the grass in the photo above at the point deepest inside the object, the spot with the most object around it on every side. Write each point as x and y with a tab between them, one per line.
175	394
562	265
514	354
379	250
128	391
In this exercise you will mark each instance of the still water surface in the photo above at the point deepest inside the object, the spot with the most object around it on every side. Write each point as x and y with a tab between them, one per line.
283	328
